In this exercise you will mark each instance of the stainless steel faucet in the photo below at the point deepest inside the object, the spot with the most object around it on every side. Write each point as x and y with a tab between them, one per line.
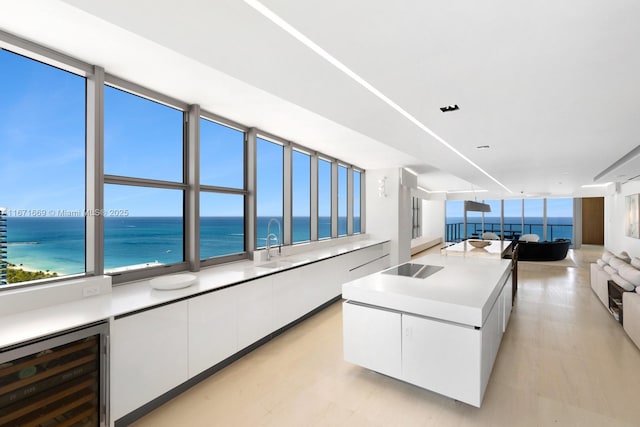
270	235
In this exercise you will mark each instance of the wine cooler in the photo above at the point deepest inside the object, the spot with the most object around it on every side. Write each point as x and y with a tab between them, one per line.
57	381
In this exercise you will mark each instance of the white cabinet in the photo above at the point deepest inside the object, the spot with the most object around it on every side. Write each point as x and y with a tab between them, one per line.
213	330
291	296
491	339
367	261
255	310
324	280
161	348
148	356
442	357
372	338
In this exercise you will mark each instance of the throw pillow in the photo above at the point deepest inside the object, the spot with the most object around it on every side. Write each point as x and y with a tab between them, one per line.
635	261
624	256
630	274
610	270
617	263
606	256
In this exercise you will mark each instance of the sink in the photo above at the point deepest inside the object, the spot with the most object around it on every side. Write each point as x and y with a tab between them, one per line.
277	264
174	281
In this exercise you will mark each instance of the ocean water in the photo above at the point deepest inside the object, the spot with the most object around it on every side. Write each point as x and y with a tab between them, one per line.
557	227
58	244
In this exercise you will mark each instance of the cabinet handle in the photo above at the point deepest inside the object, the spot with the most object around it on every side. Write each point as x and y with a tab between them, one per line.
407	332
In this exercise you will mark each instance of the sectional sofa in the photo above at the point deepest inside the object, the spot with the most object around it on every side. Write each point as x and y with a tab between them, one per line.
625	272
543	251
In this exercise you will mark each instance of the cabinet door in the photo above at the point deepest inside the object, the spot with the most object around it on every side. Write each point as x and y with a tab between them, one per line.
372	338
322	282
213	331
289	296
507	303
442	357
148	356
255	311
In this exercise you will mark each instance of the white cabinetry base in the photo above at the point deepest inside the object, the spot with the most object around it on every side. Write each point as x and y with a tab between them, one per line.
372	338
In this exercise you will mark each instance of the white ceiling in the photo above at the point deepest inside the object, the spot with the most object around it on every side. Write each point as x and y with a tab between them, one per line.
551	86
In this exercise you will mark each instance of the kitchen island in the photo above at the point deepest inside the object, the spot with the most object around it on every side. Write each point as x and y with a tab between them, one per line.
436	322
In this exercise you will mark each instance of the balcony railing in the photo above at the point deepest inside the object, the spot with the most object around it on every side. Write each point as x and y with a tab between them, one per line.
454	231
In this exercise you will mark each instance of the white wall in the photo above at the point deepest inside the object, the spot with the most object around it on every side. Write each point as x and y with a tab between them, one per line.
433	219
389	217
614	221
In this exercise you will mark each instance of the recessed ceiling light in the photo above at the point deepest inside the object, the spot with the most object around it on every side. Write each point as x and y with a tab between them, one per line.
483	147
447	108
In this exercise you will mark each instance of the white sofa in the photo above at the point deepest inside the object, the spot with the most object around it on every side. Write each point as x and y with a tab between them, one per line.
625	272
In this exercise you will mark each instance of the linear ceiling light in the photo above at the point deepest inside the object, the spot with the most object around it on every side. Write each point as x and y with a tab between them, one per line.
466	191
267	13
604	184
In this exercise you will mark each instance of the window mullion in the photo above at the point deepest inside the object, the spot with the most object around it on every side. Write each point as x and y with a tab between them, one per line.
192	194
94	199
314	197
287	222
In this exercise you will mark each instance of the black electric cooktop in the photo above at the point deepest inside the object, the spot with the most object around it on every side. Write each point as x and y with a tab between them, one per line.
418	271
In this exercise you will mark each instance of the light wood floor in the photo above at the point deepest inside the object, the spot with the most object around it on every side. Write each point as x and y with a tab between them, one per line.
563	361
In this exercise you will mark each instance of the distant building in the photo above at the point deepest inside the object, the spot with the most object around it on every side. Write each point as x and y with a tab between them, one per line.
3	246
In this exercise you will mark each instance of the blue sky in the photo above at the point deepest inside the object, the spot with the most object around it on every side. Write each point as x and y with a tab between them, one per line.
42	138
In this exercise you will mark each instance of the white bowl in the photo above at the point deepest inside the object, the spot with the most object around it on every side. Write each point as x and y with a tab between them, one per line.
174	281
479	243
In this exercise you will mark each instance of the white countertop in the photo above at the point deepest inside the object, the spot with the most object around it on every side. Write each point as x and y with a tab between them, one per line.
462	292
495	249
33	324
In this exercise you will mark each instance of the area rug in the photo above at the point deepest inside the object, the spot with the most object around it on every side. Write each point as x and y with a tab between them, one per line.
569	261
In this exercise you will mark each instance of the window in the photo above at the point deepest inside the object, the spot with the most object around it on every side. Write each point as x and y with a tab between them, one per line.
357	200
492	219
42	141
221	224
454	220
560	219
324	199
301	197
269	189
143	200
222	152
474	225
513	217
342	200
222	178
136	128
144	228
533	217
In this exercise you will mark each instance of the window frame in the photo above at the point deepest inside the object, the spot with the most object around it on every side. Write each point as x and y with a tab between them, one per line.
204	188
187	239
48	57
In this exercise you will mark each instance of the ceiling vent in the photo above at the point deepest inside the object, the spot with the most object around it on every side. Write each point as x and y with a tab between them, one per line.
624	169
